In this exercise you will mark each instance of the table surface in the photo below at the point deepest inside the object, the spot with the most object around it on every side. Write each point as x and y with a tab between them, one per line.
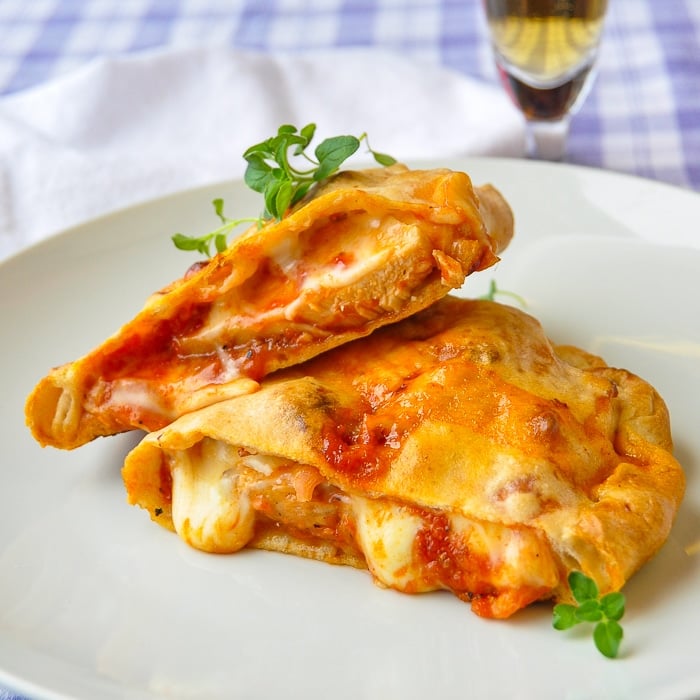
642	115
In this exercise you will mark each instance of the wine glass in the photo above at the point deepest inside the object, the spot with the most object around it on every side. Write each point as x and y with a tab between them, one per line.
545	52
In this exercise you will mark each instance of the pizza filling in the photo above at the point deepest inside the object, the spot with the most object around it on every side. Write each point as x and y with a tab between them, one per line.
224	496
332	278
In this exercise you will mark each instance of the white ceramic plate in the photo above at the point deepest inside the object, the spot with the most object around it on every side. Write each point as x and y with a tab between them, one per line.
97	602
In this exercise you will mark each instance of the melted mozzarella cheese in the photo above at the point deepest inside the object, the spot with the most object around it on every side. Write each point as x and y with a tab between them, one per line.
344	274
209	509
212	511
516	556
265	464
286	254
367	254
147	397
134	392
386	533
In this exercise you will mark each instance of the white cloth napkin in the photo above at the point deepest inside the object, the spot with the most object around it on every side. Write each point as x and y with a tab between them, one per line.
126	129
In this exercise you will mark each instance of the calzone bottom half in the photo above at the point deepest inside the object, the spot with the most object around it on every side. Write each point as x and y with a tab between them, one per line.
458	449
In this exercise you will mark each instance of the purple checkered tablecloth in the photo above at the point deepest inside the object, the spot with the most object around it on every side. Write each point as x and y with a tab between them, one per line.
642	115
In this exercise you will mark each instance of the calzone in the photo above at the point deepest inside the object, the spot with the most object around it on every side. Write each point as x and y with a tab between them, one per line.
364	249
458	449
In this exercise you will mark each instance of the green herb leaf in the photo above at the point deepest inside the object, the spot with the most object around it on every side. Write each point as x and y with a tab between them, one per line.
582	587
270	197
605	612
220	242
281	169
613	605
607	636
383	159
308	133
331	153
219	209
183	242
564	616
589	611
301	191
283	198
257	173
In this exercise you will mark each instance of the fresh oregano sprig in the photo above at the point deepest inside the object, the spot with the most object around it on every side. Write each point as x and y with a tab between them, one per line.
219	236
605	613
495	290
283	171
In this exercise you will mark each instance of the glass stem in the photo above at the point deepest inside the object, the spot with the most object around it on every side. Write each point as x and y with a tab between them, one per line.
546	140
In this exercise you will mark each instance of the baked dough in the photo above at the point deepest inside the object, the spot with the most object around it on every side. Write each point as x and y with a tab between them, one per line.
458	449
367	248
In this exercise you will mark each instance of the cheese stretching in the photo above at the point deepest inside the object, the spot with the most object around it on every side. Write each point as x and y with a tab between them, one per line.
367	249
458	449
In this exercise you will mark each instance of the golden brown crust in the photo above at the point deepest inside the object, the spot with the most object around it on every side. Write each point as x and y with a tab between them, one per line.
466	408
367	249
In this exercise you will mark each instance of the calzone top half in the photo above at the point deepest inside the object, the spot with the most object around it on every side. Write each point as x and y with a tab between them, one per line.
365	249
458	449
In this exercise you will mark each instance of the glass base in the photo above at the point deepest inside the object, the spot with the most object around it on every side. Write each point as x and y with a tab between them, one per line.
546	140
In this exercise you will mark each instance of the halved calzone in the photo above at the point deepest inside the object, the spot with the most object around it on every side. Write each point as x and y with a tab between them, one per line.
368	248
458	449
